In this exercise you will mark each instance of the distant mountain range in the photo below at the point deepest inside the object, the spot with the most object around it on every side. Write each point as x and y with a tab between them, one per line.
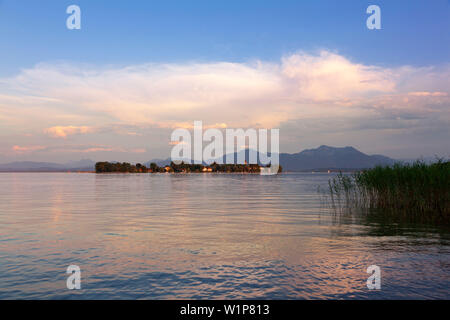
30	166
326	158
322	158
319	159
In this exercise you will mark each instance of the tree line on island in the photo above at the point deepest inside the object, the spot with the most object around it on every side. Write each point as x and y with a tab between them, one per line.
125	167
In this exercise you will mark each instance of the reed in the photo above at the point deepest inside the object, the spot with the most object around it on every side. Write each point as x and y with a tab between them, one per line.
417	191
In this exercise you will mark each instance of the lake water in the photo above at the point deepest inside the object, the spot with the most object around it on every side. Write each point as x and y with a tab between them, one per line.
204	236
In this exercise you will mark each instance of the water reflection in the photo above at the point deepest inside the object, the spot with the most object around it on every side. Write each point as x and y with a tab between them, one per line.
203	236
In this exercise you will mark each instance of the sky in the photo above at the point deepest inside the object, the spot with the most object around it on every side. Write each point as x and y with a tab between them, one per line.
137	70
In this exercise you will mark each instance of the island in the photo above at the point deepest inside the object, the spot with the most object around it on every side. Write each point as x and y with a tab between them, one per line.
125	167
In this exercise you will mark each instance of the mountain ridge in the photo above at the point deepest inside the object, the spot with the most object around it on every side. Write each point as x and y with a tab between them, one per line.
33	166
321	158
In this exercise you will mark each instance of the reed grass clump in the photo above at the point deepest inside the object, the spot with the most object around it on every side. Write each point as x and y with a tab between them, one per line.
417	191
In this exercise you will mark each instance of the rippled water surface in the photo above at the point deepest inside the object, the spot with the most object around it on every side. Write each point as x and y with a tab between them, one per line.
206	236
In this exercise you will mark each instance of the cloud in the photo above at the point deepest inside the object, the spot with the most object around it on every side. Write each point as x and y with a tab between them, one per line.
260	94
64	131
95	148
75	149
69	101
27	149
428	94
138	150
331	77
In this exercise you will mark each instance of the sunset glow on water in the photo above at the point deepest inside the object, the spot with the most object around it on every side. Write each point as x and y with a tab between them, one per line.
211	236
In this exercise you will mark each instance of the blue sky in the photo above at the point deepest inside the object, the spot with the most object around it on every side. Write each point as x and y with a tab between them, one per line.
115	89
124	32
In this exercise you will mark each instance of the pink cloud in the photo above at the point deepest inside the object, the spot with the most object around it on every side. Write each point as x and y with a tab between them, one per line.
428	94
138	150
27	149
64	131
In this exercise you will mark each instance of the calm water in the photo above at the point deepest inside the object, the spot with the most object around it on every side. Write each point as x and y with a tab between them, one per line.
203	236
